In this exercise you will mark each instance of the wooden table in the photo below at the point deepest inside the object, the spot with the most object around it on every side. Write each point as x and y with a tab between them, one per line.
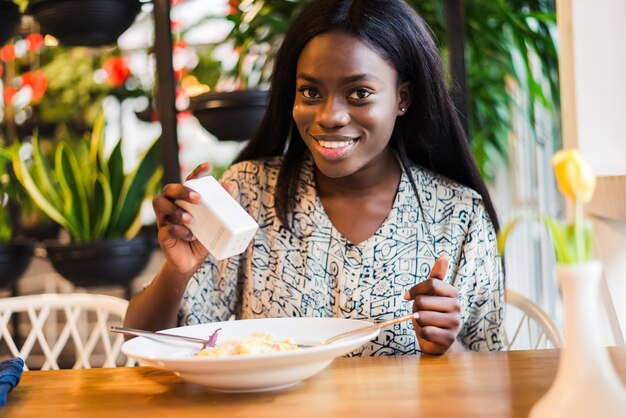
481	385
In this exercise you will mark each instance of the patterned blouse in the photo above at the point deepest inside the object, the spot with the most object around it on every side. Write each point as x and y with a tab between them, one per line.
314	271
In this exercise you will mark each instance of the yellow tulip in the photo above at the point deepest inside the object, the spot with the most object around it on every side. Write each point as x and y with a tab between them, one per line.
573	175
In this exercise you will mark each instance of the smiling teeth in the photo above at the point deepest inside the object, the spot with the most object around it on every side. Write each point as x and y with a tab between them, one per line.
335	144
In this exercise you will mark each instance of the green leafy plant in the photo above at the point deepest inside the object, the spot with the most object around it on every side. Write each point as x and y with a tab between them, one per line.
11	194
6	229
572	242
510	45
258	27
85	192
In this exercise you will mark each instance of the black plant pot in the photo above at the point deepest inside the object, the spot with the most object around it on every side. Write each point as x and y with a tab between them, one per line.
231	116
103	263
14	259
9	18
84	22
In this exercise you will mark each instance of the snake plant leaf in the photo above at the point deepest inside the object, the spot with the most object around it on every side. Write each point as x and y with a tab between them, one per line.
133	192
25	178
103	206
43	175
73	190
96	148
116	171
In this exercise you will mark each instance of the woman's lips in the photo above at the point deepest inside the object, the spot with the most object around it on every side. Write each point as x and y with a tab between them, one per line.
333	147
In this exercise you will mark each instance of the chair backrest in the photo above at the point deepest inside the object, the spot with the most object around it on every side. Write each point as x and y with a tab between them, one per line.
532	328
52	331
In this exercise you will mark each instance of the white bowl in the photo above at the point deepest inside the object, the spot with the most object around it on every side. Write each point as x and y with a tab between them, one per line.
251	373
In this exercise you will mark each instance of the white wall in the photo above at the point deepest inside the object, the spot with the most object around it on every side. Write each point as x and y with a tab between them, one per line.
599	35
593	94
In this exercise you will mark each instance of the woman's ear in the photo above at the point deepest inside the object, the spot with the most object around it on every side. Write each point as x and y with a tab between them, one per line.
405	94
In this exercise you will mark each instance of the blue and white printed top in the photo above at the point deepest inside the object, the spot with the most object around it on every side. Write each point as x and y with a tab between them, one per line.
314	271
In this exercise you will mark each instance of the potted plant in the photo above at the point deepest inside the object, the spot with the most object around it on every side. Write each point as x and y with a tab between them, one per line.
80	22
258	29
97	203
15	254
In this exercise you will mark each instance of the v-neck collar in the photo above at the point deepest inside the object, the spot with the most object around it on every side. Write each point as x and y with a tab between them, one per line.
320	217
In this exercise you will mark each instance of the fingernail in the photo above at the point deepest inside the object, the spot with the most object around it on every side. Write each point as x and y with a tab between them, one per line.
416	315
187	219
443	256
407	295
194	196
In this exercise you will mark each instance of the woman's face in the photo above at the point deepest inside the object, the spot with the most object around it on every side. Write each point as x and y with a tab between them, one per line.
347	102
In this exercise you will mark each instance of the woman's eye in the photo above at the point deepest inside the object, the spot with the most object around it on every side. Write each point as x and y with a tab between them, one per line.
360	94
309	93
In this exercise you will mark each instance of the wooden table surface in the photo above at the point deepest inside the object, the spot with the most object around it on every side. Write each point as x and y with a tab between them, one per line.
504	384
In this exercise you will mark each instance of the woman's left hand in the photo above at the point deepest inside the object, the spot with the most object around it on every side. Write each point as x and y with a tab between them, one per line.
439	310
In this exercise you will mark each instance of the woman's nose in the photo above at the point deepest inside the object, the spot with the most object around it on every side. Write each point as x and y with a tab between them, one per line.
333	113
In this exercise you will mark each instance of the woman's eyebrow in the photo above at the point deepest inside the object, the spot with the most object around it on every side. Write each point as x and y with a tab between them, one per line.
346	80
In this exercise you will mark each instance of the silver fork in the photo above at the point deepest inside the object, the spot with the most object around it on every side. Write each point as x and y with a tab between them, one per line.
365	329
162	335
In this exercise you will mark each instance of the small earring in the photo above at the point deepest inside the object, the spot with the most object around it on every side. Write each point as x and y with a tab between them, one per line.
402	109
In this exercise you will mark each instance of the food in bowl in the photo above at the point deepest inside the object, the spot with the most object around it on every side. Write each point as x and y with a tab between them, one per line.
255	343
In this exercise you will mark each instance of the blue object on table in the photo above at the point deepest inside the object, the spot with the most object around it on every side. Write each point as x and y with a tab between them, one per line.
10	375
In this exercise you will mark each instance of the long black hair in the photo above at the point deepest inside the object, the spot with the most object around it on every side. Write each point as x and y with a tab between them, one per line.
429	133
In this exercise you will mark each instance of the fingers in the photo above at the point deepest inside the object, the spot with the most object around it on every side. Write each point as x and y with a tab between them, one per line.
175	232
439	309
441	338
167	212
176	191
436	304
434	285
440	268
199	171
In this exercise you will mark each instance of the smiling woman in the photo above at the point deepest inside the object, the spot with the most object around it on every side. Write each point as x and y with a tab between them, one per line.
365	191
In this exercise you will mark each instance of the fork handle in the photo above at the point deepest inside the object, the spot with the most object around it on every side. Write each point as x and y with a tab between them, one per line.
372	327
155	335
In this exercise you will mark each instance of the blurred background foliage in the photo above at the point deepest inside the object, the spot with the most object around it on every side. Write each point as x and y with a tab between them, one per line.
511	63
57	92
511	53
510	45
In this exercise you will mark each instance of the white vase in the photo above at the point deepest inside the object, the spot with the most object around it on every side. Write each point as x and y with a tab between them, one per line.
586	384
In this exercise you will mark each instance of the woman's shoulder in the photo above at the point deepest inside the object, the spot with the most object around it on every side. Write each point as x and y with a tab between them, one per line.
254	171
431	181
251	181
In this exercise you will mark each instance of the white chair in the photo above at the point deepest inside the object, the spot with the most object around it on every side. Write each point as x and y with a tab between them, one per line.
533	330
56	322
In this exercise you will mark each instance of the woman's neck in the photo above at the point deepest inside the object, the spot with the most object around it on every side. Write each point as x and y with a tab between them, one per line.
378	177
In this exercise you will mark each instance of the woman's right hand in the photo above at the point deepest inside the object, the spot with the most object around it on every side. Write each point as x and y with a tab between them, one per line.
180	247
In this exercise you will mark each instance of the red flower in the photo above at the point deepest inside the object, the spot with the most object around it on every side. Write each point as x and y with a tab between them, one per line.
34	41
8	94
1	70
180	44
117	71
233	7
7	53
38	82
179	74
